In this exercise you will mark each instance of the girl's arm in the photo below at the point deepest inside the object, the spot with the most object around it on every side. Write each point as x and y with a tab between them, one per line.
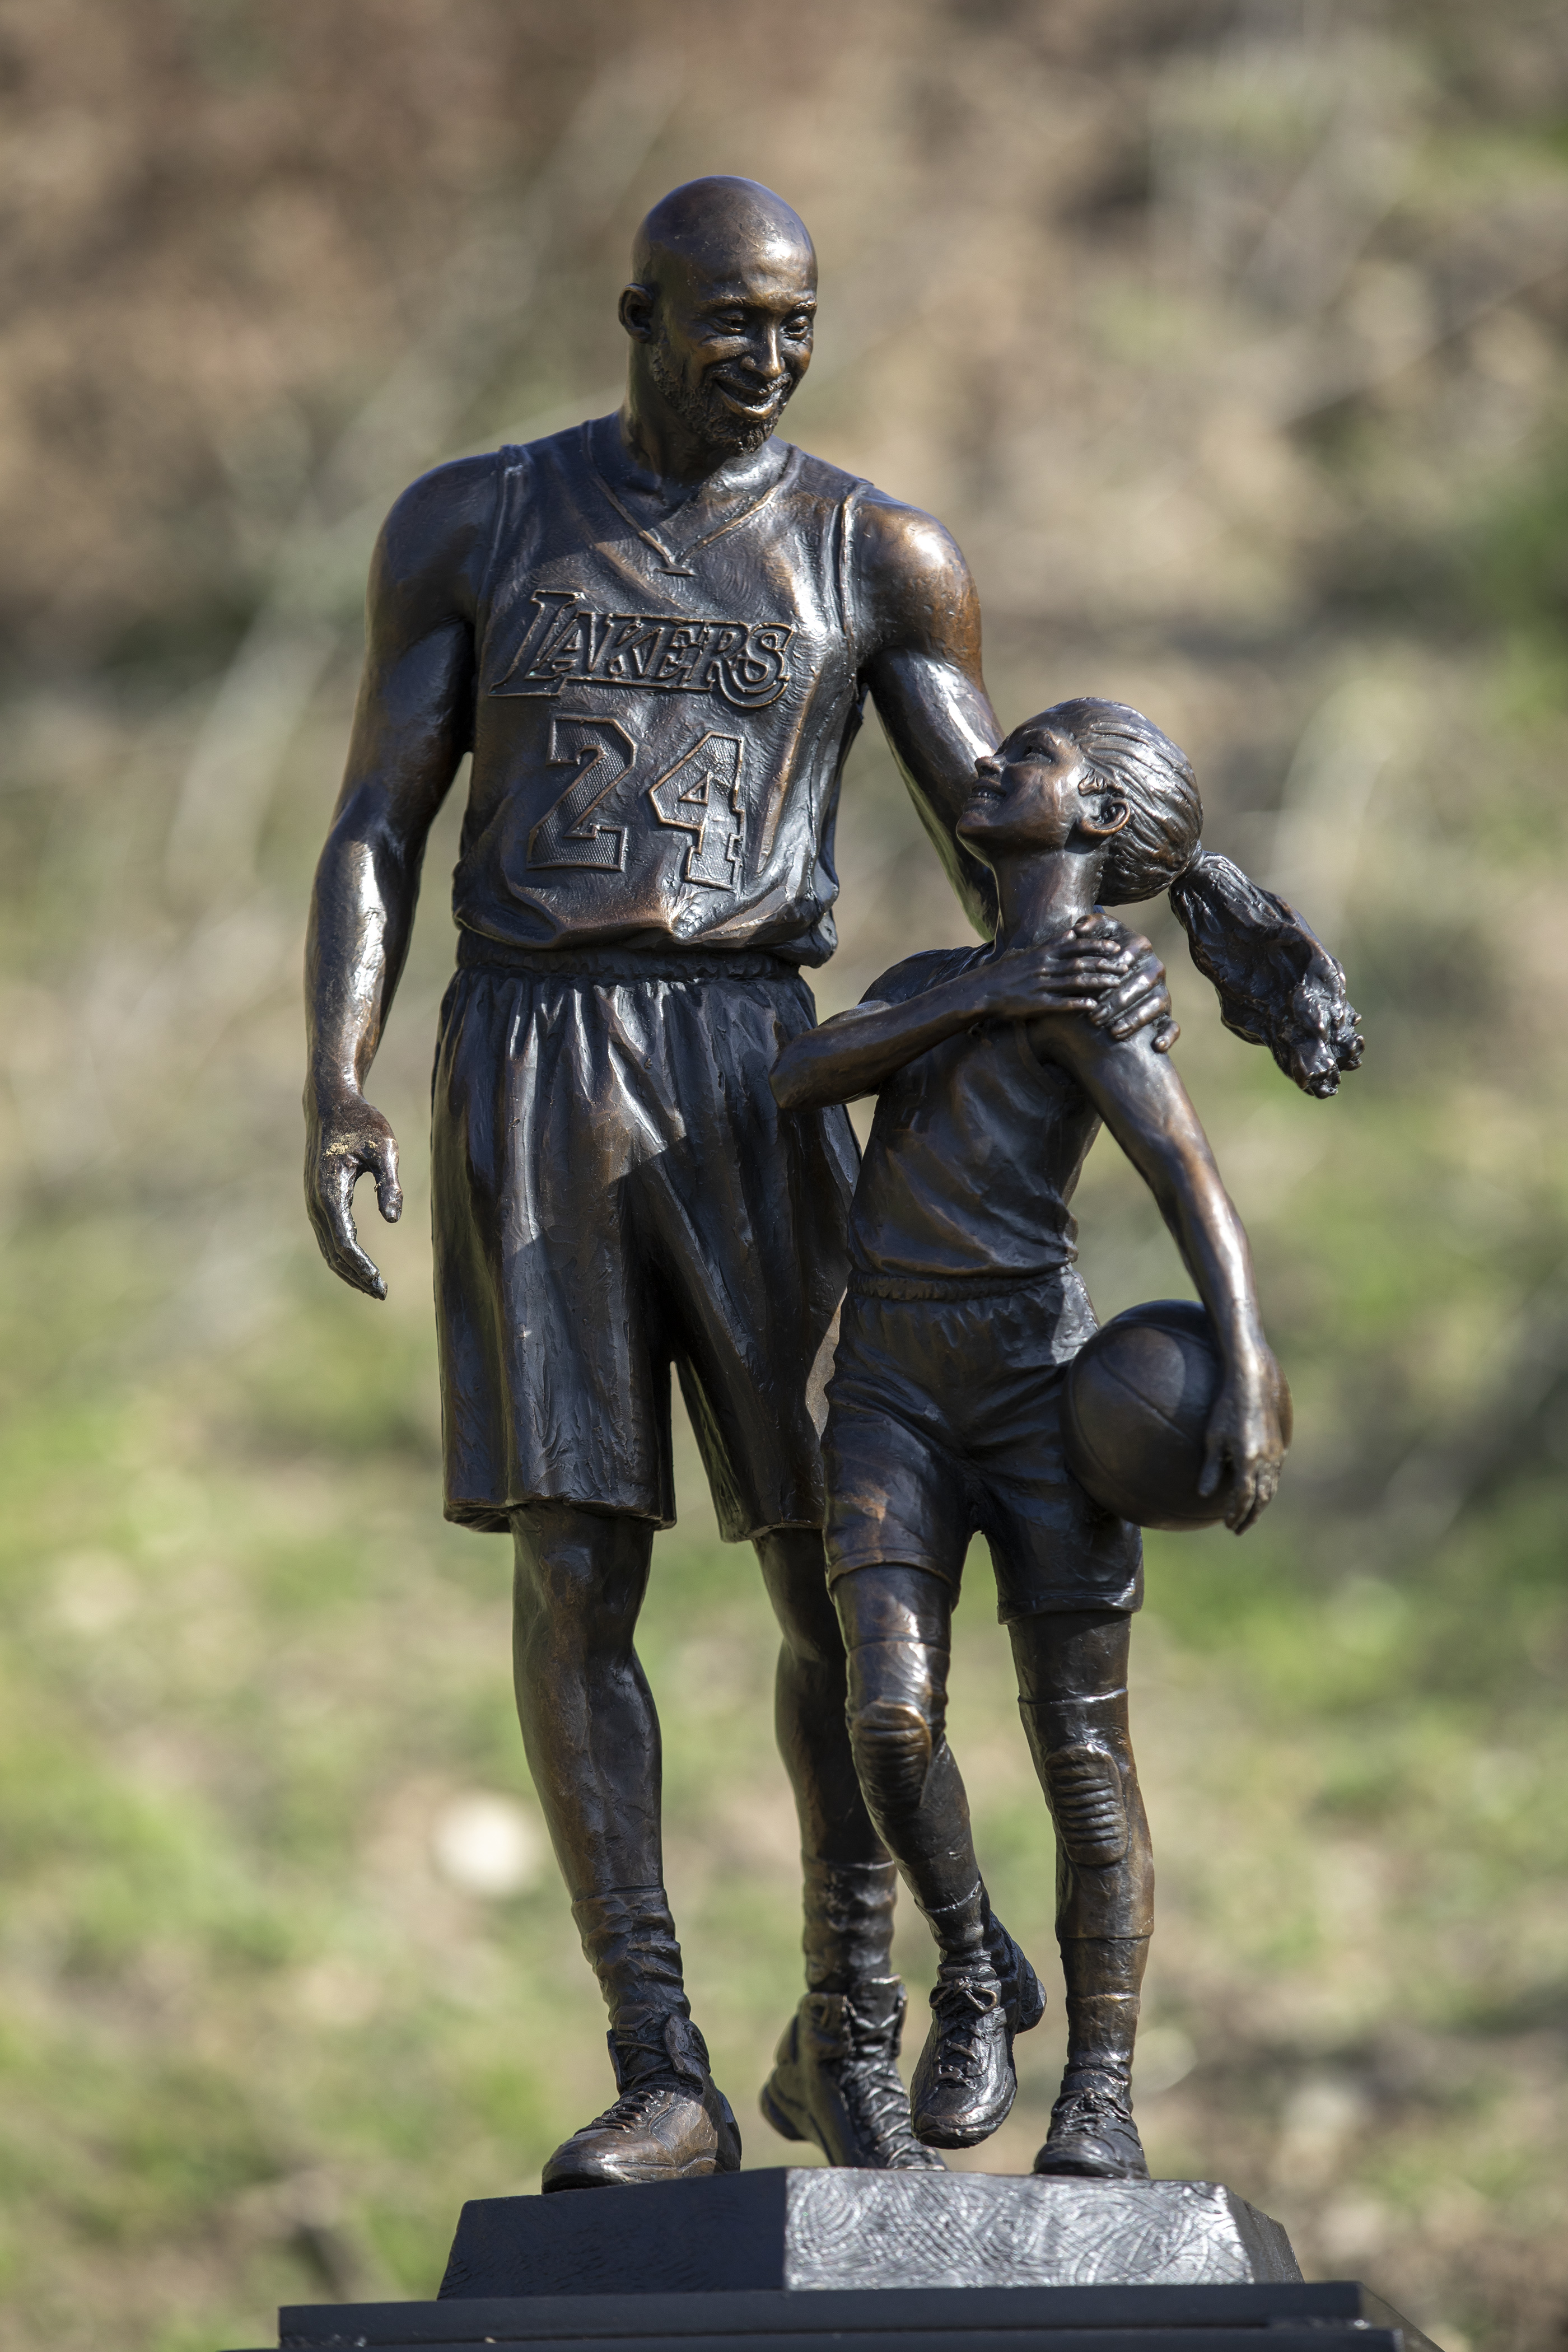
856	1052
1144	1104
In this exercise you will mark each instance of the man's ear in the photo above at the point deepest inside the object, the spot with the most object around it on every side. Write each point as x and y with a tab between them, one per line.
1105	816
635	309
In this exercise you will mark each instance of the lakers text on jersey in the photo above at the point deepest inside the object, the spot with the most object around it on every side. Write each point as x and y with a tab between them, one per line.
658	742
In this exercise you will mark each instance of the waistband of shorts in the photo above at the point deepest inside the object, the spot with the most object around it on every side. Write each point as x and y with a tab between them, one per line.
588	965
951	1287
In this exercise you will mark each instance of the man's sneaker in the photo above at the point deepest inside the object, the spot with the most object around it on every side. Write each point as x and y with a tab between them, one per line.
1023	1995
672	2121
836	2080
963	2082
1092	2133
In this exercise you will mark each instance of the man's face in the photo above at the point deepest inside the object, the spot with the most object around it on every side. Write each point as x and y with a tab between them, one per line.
727	349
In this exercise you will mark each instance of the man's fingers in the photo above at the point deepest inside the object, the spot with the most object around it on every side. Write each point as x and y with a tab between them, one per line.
381	1161
1166	1035
342	1241
1123	1015
1123	1020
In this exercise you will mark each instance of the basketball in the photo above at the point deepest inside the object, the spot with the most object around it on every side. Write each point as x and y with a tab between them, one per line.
1138	1399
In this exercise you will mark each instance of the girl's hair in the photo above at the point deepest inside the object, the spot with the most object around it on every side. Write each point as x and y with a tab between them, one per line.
1278	984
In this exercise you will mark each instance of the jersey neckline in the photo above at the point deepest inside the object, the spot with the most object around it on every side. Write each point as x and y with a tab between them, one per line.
672	557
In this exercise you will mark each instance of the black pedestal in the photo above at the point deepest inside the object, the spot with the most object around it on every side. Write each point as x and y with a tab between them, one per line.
822	2261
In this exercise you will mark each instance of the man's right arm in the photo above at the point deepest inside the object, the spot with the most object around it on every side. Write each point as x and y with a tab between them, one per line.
412	725
918	619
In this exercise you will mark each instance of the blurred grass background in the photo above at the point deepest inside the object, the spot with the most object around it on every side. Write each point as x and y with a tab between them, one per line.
1229	340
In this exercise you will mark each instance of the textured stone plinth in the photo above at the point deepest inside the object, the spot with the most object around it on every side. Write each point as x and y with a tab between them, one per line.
817	2231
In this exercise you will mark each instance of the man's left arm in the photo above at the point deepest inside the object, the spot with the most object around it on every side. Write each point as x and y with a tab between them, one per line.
919	625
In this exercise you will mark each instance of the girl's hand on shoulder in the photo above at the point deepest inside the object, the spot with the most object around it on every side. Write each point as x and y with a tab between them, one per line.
1027	983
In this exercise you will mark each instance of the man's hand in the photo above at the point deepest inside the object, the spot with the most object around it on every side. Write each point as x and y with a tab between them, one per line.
1111	975
1245	1441
347	1138
1119	973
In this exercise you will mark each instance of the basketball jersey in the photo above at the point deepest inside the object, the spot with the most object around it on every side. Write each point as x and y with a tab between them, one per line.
976	1151
661	719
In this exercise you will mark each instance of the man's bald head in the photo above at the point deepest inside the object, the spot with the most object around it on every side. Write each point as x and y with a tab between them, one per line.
720	225
720	310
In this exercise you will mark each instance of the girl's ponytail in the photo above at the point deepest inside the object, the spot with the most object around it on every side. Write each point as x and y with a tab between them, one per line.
1277	982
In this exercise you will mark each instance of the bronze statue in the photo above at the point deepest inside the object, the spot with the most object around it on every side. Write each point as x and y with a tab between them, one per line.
655	632
945	1405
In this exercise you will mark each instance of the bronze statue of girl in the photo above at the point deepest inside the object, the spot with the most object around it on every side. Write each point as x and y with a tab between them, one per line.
964	1310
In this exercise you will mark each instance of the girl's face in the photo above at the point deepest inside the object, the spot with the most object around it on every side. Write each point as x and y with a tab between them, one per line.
1033	792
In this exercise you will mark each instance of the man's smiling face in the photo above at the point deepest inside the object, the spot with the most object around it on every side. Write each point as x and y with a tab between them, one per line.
730	344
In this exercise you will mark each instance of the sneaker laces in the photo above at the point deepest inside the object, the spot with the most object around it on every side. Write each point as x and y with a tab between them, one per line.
874	2092
958	2005
1092	2103
631	2109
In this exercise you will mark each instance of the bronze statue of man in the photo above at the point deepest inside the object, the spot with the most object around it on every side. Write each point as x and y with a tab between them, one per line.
655	632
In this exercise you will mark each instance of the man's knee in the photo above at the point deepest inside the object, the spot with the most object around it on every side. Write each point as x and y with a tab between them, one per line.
581	1574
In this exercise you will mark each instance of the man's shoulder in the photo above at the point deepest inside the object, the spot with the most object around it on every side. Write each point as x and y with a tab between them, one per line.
888	531
903	540
443	521
913	587
919	972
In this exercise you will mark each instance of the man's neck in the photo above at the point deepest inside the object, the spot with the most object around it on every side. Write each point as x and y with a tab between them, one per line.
678	459
1045	894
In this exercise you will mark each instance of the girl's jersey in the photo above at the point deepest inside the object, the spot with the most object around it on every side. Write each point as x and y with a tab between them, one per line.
976	1151
661	715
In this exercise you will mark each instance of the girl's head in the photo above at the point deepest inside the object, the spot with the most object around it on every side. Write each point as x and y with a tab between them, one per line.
1101	773
1102	777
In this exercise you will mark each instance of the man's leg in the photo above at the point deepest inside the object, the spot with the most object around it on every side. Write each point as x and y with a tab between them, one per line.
1072	1694
896	1624
592	1739
836	2080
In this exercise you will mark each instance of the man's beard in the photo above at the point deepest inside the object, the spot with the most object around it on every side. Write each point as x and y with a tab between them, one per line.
703	407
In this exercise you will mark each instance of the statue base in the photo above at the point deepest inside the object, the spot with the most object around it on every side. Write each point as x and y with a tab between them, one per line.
837	2261
814	2231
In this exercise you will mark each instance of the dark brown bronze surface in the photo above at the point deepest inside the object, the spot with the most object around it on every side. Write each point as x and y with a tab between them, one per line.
946	1409
654	633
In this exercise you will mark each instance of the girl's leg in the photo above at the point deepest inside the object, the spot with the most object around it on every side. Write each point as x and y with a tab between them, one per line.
1072	1694
896	1623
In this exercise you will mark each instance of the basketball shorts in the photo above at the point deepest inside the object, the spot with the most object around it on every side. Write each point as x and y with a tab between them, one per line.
944	1422
616	1191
